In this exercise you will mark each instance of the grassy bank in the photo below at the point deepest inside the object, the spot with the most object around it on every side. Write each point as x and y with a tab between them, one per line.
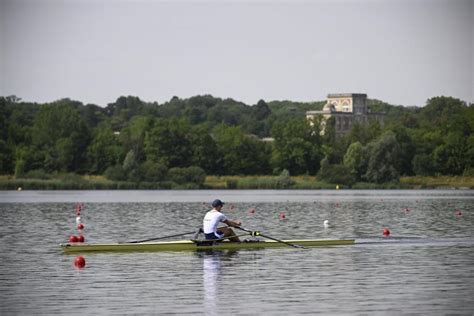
294	183
85	183
75	182
457	182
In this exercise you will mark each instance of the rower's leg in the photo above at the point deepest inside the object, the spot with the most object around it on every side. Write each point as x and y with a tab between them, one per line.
227	231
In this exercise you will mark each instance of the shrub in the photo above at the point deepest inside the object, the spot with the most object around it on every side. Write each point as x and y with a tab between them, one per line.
336	173
468	172
37	174
153	172
284	181
187	175
115	173
231	184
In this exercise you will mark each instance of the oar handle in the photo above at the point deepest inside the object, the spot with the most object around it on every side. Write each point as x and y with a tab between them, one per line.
251	232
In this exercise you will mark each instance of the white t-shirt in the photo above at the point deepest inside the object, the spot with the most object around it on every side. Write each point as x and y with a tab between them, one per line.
212	220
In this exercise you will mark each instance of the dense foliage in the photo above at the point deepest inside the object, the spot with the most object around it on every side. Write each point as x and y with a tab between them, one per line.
184	140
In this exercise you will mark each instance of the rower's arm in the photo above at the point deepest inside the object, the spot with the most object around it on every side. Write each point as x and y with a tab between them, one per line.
232	223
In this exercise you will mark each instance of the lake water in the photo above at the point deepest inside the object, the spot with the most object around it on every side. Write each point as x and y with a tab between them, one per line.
426	266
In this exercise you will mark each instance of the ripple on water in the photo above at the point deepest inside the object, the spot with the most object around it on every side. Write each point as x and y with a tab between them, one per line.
424	267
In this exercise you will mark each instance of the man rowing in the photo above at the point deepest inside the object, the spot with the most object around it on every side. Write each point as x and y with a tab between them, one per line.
212	220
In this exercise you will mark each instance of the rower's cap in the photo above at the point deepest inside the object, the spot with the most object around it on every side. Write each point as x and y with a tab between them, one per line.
217	203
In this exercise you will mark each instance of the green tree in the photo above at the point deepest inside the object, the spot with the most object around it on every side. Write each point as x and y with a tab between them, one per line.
356	160
122	110
384	159
168	142
105	150
440	111
261	110
205	152
364	133
131	167
6	161
469	155
61	137
424	165
450	157
297	147
240	153
407	149
133	135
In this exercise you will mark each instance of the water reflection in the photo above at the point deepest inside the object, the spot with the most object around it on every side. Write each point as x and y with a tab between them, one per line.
212	266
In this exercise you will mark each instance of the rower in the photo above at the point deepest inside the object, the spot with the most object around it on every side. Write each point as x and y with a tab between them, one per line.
213	218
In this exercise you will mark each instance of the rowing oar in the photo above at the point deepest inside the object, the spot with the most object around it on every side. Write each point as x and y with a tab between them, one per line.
257	233
156	238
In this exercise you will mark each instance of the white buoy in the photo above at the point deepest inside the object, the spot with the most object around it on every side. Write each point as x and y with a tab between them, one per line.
78	219
326	223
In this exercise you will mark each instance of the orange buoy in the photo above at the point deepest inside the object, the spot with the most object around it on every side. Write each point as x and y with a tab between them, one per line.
386	232
80	262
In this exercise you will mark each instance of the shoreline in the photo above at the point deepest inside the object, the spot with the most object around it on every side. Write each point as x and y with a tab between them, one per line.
9	183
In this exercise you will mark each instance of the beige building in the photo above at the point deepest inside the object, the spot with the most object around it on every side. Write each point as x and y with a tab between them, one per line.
346	109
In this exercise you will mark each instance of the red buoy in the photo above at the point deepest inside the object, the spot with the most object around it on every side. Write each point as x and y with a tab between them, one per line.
80	226
407	210
458	213
386	232
73	238
80	238
282	216
80	262
252	210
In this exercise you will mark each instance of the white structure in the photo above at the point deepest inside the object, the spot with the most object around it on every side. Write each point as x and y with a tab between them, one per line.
346	109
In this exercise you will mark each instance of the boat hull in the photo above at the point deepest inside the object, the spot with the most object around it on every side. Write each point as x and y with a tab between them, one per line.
188	245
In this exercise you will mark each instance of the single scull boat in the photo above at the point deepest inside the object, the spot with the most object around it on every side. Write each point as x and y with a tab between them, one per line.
191	245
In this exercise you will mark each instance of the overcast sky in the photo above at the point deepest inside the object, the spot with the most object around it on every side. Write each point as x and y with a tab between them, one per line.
399	51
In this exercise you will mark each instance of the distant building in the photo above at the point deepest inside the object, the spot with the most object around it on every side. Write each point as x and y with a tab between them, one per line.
346	109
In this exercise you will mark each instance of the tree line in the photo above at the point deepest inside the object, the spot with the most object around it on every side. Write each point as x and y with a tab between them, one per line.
183	140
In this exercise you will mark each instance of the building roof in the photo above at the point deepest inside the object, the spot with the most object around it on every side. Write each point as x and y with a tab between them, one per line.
346	95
